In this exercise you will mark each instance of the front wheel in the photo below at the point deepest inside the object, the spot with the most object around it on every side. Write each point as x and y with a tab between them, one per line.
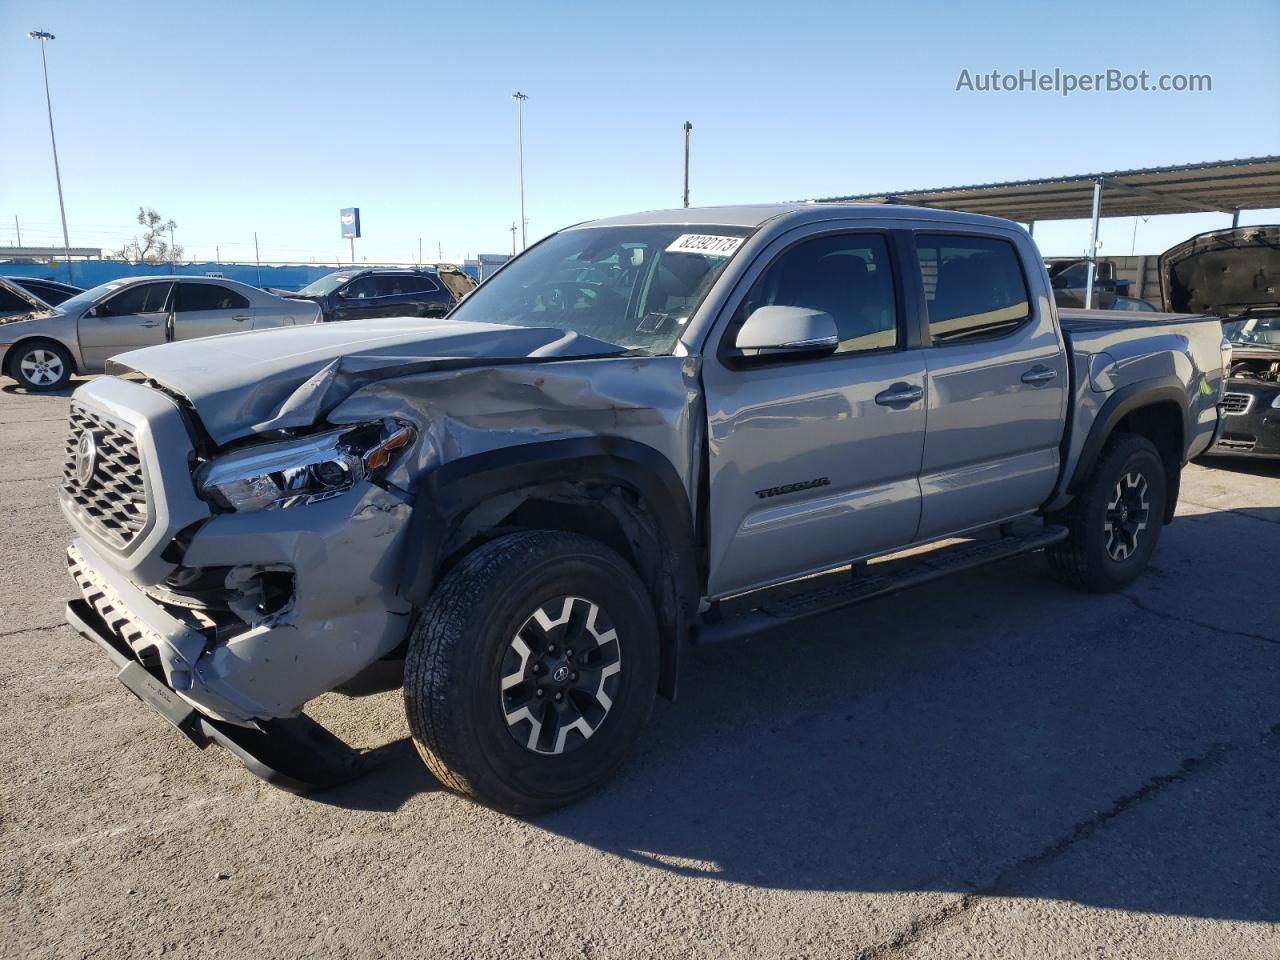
1116	518
40	365
532	671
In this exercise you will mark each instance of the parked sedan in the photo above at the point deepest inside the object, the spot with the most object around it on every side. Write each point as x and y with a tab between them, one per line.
361	294
52	292
17	302
43	350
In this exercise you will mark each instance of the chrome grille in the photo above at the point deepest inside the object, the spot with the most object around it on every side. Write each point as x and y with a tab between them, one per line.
111	496
1236	403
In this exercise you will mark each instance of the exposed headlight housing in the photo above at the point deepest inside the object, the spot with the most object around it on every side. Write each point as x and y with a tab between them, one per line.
276	476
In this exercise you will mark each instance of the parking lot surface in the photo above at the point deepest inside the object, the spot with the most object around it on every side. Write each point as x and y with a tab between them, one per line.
991	766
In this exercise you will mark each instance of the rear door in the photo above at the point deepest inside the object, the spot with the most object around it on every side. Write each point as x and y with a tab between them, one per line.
814	462
135	317
417	295
997	381
208	309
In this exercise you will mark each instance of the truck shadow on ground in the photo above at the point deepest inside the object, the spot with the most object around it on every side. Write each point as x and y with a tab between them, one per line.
993	733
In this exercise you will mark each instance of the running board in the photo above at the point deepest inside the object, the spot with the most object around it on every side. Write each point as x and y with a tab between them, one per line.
870	584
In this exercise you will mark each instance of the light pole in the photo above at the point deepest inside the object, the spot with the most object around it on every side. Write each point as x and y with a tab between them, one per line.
520	98
687	127
44	37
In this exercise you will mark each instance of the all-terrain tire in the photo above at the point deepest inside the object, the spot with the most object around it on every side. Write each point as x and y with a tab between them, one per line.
1115	519
469	689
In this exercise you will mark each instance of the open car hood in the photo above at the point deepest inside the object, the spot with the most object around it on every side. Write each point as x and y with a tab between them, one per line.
37	305
1223	272
252	382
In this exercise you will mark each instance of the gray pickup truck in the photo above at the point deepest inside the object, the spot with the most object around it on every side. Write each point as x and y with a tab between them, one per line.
674	427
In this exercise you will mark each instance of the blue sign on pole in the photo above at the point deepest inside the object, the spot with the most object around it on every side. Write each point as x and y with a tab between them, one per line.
351	222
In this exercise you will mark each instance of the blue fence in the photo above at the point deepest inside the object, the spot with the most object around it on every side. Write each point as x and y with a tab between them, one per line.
90	273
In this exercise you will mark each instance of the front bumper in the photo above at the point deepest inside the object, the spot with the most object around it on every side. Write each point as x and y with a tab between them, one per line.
1254	432
297	754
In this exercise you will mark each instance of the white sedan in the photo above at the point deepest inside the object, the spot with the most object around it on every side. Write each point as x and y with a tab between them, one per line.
42	349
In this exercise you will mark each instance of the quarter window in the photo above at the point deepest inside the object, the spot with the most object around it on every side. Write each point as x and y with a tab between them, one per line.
848	276
142	298
208	296
409	284
973	286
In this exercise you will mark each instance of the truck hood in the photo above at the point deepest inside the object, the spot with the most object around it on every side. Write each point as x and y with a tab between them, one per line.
1223	272
252	382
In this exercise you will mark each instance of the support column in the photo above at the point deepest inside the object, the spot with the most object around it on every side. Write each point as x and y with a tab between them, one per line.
1093	243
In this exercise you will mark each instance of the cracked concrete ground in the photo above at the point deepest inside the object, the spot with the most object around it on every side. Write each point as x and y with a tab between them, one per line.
993	766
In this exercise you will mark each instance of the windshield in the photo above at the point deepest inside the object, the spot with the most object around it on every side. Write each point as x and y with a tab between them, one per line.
1263	331
88	298
325	285
632	286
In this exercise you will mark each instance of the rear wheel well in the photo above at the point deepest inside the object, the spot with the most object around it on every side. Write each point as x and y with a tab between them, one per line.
1161	423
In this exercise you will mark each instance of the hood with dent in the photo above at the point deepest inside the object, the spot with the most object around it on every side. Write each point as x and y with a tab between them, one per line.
252	382
1223	272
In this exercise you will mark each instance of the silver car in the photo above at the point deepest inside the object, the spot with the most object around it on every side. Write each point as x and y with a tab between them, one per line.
43	348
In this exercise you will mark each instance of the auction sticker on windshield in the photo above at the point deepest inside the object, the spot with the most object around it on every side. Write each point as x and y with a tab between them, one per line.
705	244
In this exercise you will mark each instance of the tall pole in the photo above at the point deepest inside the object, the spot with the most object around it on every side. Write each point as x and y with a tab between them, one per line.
520	98
17	228
173	252
44	37
513	238
256	257
419	251
353	251
687	127
1095	216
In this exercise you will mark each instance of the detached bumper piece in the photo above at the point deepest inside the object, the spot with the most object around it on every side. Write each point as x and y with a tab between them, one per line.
295	754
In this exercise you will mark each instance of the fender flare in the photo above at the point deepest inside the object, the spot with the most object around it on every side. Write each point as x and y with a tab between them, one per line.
1124	401
446	495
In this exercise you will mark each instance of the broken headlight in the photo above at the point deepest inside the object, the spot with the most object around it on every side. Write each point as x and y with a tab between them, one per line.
272	476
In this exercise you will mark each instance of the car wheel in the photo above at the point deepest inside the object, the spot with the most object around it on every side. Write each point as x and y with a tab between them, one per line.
1116	518
532	671
40	365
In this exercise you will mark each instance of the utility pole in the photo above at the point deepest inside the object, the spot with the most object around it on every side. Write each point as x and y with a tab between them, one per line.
257	257
520	98
173	252
513	238
419	251
44	37
17	228
217	252
687	127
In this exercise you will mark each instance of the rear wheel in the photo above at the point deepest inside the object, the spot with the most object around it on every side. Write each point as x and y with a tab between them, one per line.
532	671
1116	518
40	365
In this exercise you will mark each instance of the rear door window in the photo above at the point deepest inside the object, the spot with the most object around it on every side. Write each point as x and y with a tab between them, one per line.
367	288
140	298
412	283
973	286
192	297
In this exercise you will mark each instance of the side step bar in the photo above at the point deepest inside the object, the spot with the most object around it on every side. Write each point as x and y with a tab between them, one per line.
862	586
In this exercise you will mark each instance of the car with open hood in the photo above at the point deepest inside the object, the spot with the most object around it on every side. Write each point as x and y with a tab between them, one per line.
43	347
1234	274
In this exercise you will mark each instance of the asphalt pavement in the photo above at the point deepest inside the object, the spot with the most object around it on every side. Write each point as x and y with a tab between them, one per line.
990	766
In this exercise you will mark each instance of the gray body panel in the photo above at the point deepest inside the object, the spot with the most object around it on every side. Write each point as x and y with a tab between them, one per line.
980	445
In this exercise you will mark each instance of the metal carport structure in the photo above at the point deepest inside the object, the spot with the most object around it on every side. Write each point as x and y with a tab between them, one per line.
1223	186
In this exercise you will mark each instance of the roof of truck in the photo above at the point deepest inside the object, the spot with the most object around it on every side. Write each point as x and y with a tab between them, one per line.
753	215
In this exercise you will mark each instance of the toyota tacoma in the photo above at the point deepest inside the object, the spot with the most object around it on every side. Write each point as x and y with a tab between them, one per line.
648	431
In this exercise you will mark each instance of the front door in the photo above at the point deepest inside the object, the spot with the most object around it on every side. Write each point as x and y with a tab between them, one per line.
208	309
997	383
814	462
135	317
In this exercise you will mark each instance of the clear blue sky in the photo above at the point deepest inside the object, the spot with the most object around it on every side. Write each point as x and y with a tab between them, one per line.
236	116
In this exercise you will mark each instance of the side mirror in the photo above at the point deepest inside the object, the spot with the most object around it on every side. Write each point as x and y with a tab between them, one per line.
787	331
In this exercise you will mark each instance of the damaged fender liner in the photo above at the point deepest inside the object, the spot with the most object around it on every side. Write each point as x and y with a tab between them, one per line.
295	754
448	495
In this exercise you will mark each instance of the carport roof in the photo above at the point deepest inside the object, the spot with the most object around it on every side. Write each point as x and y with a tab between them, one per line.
1221	186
